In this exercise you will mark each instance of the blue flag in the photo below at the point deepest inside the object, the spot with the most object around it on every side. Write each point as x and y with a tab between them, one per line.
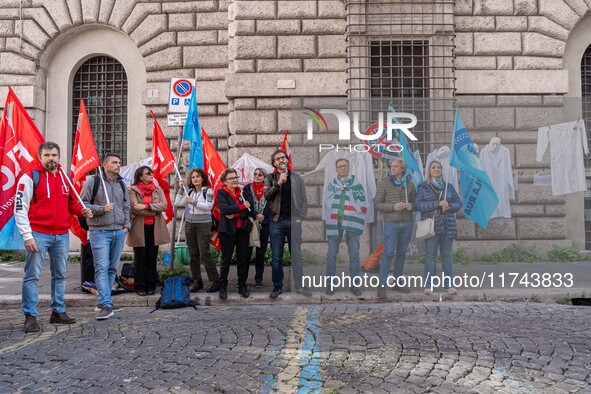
412	168
478	195
192	132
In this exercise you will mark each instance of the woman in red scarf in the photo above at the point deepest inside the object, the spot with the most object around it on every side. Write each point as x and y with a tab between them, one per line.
234	230
148	228
256	190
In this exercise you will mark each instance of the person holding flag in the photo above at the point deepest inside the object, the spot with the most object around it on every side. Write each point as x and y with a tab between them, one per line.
394	198
108	227
44	202
438	199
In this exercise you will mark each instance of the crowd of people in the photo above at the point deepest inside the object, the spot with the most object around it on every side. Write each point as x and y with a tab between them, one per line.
275	203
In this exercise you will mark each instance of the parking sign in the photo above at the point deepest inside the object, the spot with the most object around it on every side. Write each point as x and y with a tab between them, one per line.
180	94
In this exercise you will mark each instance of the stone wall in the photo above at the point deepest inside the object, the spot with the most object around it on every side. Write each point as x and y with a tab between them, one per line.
251	58
175	39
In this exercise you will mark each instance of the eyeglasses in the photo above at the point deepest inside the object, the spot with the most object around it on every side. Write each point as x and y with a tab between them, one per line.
233	178
343	166
148	173
258	174
281	158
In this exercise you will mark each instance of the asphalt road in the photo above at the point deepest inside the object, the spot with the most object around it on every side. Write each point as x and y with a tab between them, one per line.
379	348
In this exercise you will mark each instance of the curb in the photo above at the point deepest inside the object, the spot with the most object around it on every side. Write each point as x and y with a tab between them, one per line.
560	296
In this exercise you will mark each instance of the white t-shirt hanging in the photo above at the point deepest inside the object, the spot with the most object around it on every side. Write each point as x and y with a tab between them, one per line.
568	142
496	160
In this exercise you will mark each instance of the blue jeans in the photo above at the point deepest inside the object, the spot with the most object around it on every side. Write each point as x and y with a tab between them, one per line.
352	241
396	238
107	246
445	247
57	246
278	231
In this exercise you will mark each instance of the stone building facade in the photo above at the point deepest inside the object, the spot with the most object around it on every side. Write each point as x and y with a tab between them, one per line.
517	66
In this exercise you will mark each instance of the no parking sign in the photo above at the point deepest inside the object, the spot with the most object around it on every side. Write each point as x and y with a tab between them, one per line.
180	94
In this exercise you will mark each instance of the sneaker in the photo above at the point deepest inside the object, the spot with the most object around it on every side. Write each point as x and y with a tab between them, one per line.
61	318
31	324
116	308
382	293
452	290
356	292
428	291
275	293
258	283
149	292
244	292
105	313
223	293
303	291
142	293
215	286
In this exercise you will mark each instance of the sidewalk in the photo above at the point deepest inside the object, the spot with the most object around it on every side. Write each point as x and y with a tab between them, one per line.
11	279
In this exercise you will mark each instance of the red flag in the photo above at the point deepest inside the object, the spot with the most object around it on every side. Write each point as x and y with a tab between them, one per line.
84	159
19	140
285	148
213	165
162	165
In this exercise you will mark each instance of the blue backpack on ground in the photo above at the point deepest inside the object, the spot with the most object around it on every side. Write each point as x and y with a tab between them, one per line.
175	293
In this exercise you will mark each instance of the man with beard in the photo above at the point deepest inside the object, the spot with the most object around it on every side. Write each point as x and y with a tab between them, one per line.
286	193
44	202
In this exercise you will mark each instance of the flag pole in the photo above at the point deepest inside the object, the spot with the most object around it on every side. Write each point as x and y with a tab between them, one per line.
180	179
73	188
104	186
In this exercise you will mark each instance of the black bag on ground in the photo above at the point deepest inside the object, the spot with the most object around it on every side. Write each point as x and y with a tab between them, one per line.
86	264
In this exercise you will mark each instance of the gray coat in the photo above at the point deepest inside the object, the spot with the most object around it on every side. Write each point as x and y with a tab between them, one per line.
118	218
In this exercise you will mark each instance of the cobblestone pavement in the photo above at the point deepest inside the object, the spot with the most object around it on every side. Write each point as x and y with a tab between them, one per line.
427	347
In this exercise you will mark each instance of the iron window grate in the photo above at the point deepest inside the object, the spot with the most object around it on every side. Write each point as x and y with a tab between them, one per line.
102	82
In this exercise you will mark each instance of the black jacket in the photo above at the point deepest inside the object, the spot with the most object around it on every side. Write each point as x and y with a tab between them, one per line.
299	200
228	206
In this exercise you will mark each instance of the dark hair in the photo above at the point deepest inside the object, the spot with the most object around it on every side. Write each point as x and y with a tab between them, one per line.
138	174
336	163
203	175
48	145
226	172
110	154
276	152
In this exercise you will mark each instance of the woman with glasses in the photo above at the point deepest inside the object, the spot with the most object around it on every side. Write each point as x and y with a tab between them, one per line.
256	190
198	220
234	230
148	228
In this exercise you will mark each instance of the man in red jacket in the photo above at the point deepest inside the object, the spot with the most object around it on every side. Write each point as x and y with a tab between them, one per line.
44	202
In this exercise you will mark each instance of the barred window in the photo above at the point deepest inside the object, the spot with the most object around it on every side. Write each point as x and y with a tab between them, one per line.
102	82
401	54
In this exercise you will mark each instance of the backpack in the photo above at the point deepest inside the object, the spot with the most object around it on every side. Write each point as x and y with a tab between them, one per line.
82	220
175	293
36	175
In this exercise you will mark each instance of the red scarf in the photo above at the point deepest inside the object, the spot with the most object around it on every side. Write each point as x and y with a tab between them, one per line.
236	198
147	191
258	189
